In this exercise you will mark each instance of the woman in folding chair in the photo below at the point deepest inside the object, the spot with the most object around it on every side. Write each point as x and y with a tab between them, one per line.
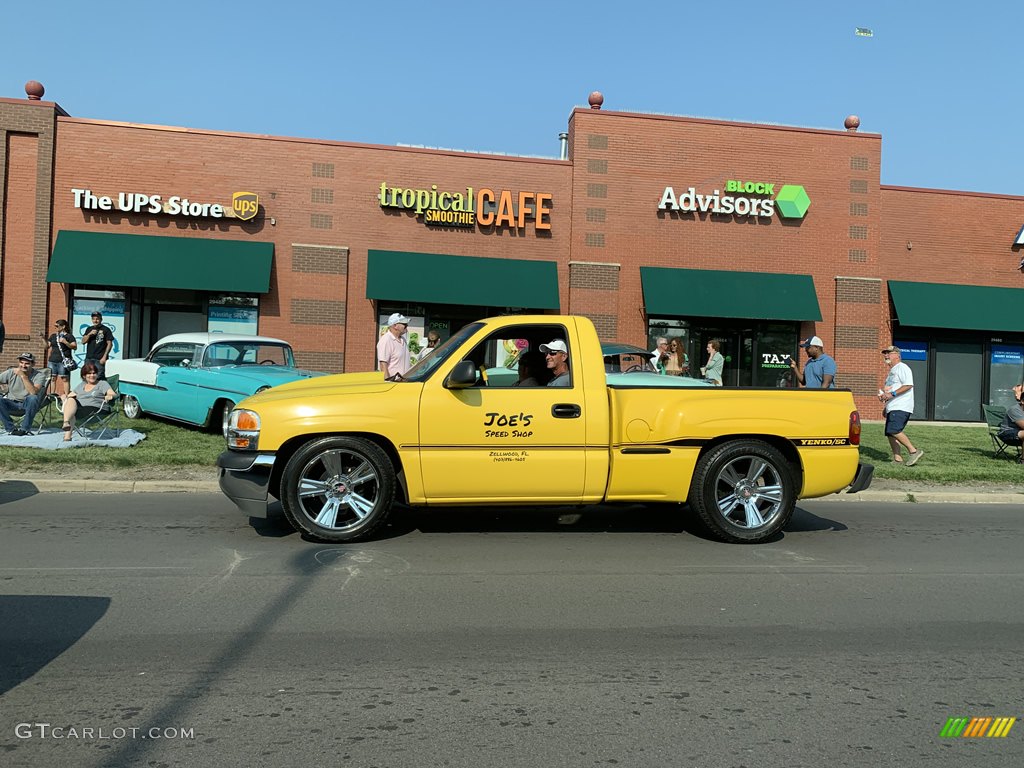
87	399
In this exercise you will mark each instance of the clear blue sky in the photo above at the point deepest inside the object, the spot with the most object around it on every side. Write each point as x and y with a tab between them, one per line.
939	80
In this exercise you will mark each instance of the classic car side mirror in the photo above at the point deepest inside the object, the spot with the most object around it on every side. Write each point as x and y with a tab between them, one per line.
463	375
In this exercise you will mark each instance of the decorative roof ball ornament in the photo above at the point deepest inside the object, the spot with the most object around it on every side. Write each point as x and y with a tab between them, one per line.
34	90
852	123
596	100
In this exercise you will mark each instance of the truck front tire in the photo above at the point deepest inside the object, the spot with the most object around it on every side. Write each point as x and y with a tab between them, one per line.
743	491
338	489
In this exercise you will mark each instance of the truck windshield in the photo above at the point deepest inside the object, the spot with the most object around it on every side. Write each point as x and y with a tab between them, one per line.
422	370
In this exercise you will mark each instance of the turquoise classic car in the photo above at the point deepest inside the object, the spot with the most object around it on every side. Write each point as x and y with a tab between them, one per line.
198	377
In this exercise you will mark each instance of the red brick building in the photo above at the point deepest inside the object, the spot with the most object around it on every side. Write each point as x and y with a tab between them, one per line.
755	235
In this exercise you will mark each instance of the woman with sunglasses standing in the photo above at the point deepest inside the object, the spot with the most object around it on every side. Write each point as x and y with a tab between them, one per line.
678	362
60	344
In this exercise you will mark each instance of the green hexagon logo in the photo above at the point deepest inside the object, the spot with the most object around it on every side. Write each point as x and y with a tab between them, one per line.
792	201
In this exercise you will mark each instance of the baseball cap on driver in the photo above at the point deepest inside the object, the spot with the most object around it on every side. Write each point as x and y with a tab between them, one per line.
555	346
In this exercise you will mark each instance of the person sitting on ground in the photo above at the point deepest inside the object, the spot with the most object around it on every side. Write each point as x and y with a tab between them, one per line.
25	393
556	359
1012	429
87	399
532	371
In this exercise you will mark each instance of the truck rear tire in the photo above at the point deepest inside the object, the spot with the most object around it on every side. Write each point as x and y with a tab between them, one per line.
743	491
338	489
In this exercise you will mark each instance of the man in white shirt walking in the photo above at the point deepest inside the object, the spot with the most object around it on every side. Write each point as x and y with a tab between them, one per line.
898	396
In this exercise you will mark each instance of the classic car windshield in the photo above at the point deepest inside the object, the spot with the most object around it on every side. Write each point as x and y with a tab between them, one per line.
248	353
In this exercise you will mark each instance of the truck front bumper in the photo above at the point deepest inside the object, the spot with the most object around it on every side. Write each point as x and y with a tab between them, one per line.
245	479
863	477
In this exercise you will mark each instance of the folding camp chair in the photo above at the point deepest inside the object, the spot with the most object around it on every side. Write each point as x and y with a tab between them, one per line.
48	410
97	423
994	415
45	406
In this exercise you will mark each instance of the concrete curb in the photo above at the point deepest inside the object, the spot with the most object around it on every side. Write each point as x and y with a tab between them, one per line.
45	485
930	495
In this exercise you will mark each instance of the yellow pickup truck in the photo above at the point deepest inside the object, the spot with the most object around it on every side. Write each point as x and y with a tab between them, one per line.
339	451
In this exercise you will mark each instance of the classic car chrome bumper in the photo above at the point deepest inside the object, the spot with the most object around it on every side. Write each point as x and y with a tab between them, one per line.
245	478
862	479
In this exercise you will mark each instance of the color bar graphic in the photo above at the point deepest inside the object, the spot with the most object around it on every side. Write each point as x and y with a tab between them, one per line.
977	727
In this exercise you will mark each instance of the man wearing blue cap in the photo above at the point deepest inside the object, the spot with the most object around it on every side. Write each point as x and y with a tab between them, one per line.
820	370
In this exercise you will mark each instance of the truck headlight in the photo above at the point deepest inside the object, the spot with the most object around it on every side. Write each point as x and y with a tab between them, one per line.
243	430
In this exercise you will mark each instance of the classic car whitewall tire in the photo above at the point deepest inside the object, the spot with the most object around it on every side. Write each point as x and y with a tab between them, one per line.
744	491
338	488
130	407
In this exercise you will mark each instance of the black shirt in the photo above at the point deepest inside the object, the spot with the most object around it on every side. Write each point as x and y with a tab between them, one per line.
97	343
58	351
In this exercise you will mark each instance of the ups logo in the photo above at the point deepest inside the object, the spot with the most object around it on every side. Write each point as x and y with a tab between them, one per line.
245	205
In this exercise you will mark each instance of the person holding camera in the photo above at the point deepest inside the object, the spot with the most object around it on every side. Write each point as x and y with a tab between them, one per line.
59	359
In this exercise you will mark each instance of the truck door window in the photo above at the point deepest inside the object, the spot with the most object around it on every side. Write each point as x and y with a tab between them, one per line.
511	356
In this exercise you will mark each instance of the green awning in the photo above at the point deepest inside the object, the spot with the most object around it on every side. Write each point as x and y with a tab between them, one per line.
440	279
717	293
150	261
966	307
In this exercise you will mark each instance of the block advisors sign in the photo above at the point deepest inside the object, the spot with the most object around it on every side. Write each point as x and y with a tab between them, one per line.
740	198
244	205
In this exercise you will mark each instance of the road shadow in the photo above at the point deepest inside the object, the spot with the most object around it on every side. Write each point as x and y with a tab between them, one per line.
275	525
14	490
805	522
605	518
36	629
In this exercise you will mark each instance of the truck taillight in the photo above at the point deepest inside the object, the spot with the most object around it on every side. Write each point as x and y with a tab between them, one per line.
854	428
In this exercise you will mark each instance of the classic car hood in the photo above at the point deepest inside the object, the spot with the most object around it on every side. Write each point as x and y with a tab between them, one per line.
339	383
266	374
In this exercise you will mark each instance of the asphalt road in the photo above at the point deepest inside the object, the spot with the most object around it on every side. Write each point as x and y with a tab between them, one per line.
483	639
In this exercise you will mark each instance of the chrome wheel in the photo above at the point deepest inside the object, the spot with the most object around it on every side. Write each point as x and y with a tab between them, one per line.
131	407
339	489
744	491
749	492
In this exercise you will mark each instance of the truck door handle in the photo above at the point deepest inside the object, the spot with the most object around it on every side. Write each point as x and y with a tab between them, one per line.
566	411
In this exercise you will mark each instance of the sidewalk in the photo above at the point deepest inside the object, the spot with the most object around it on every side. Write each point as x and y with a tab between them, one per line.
206	482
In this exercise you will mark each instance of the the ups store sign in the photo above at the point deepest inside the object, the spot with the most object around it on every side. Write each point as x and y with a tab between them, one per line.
244	205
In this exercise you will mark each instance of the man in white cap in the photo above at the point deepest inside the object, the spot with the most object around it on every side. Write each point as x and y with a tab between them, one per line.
556	358
820	370
898	395
25	393
392	349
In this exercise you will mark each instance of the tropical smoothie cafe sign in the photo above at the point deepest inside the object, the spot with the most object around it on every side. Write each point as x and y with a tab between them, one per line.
741	198
244	205
471	208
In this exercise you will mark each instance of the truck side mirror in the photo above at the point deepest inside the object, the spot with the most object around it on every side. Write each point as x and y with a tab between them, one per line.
463	375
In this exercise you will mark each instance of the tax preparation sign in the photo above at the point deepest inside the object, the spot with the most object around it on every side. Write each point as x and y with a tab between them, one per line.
244	205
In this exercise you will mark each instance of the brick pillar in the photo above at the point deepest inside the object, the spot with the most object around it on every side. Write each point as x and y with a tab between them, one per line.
859	308
594	293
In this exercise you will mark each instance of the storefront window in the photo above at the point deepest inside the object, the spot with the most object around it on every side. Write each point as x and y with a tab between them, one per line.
233	314
1007	370
958	375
